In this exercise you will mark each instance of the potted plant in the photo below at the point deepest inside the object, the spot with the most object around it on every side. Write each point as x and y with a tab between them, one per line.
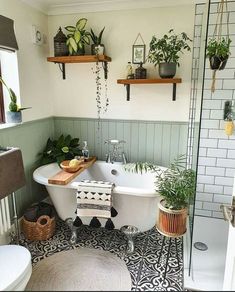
58	150
97	48
176	185
14	114
218	51
77	37
166	51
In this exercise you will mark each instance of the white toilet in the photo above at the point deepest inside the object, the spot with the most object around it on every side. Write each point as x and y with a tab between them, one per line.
15	267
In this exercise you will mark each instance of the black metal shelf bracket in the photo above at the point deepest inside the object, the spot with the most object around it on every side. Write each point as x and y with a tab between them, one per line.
104	64
62	69
174	92
127	91
128	86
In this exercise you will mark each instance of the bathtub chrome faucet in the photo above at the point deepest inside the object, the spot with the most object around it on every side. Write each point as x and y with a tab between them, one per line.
114	155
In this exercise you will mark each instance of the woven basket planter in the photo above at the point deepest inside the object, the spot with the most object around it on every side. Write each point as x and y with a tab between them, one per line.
43	229
171	223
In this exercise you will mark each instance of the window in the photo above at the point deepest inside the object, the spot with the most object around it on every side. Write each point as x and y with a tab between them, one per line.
8	63
2	111
9	73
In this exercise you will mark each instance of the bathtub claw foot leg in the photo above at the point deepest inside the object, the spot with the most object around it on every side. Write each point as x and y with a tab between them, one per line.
130	246
73	238
130	232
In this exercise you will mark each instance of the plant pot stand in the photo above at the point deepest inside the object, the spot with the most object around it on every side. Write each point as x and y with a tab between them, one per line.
171	223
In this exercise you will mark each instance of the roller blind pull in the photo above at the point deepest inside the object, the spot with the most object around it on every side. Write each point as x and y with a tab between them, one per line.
7	34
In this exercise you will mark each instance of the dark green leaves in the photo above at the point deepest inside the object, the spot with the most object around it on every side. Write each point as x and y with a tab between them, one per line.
219	48
96	38
13	107
58	150
175	184
167	48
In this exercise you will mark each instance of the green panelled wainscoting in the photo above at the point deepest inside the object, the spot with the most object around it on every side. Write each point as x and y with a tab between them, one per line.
30	137
153	141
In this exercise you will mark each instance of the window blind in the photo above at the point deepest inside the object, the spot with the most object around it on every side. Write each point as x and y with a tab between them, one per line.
7	34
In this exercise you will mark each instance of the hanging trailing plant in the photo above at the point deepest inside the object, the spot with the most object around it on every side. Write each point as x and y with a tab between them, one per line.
101	103
218	47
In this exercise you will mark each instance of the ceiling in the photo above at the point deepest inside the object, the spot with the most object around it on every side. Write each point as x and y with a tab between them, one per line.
56	7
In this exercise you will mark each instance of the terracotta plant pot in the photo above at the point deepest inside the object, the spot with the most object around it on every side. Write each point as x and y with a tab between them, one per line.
171	223
218	63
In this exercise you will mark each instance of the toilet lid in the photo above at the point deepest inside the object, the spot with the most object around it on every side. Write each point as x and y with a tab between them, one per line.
15	261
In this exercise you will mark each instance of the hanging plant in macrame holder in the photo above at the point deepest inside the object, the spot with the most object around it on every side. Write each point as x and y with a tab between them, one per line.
218	47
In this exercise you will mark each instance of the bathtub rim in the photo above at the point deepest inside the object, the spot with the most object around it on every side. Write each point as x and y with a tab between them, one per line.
141	192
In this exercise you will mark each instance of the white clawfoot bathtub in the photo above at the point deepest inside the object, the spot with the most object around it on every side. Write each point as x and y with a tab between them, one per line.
134	195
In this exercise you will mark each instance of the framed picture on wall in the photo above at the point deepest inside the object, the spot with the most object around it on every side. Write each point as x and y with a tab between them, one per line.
138	54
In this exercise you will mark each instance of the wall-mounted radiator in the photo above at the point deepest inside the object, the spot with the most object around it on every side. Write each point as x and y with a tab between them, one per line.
5	221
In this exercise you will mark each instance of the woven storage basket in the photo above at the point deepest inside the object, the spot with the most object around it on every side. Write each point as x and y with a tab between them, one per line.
43	229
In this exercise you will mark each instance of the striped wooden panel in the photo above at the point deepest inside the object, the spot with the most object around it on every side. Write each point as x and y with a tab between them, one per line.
153	141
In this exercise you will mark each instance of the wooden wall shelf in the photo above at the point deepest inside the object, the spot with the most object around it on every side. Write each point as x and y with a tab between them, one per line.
80	59
128	82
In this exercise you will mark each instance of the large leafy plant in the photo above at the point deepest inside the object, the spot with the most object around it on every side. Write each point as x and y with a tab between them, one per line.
219	48
77	36
13	106
168	48
175	184
64	148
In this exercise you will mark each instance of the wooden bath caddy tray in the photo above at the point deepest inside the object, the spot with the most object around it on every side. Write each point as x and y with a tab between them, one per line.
63	177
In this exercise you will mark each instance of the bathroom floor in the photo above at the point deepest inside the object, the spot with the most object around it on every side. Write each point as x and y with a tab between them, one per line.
155	265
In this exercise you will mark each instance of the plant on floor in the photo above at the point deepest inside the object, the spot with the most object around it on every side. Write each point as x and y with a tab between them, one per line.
97	47
176	185
77	37
14	114
166	51
57	150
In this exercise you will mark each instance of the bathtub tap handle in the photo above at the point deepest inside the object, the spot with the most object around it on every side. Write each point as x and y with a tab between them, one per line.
124	158
108	158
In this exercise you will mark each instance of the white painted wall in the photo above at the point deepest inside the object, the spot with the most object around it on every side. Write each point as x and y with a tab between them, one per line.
76	95
33	67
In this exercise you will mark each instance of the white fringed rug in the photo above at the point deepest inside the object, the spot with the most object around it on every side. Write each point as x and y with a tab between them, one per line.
82	269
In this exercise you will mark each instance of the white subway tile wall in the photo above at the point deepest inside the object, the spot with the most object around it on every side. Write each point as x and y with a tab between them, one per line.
216	167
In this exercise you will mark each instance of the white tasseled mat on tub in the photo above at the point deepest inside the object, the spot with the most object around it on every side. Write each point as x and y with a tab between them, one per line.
81	269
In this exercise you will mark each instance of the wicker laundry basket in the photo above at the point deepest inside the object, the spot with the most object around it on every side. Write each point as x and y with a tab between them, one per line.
43	229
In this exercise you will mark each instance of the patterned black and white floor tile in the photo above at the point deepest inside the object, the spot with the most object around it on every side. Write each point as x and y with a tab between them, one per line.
155	265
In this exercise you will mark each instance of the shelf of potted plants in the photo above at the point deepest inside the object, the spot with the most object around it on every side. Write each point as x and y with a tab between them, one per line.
79	59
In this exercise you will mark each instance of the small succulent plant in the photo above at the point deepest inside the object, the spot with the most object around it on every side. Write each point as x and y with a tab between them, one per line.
13	106
96	38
